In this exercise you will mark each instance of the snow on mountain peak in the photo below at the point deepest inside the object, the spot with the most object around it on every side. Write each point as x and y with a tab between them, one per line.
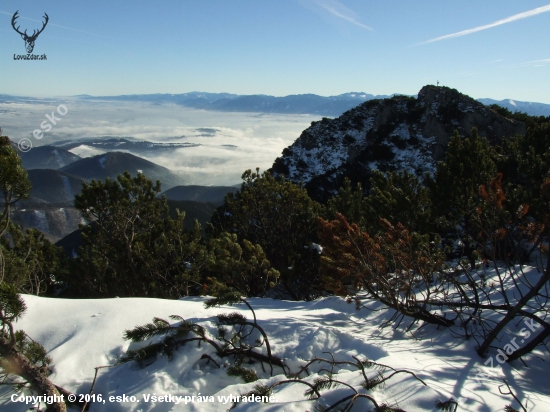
397	133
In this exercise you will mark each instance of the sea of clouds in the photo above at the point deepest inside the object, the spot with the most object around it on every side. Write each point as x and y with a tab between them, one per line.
229	143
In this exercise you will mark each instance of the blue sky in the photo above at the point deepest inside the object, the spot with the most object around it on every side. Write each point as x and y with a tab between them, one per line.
490	48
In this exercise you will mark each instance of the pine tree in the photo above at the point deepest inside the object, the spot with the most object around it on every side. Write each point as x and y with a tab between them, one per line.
244	268
20	355
469	163
14	185
398	197
525	165
390	267
132	246
32	261
348	202
279	216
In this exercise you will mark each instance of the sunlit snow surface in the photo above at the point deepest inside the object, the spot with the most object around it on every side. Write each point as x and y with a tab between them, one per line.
82	334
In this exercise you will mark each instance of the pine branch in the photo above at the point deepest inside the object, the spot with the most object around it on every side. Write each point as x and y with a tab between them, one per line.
140	333
231	318
248	375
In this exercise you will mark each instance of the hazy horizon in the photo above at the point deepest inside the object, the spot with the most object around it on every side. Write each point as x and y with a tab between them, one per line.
61	97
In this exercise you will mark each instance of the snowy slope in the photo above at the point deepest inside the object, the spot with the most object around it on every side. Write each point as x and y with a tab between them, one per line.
83	334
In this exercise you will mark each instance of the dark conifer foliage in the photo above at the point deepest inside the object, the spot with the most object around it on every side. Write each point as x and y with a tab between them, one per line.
244	268
28	261
469	163
525	164
350	203
398	197
33	263
14	185
25	263
132	246
279	216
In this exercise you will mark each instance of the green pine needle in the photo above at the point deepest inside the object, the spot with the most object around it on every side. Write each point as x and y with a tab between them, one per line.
248	375
140	333
12	304
231	318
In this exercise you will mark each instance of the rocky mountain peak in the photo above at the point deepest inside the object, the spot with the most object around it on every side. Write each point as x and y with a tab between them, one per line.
396	133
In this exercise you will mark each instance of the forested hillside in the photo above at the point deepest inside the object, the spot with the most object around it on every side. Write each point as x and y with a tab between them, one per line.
433	211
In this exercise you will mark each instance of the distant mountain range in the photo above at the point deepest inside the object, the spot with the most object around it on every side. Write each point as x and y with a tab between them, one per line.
54	186
54	221
56	176
293	104
533	109
107	144
50	205
259	103
331	106
63	167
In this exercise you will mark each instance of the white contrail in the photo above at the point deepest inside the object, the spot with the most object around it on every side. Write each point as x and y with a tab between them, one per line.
337	9
347	17
510	19
529	63
56	25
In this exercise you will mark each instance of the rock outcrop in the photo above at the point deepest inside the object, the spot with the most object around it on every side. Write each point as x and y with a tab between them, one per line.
388	134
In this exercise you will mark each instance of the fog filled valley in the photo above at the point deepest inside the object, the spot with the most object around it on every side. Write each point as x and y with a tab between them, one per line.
222	145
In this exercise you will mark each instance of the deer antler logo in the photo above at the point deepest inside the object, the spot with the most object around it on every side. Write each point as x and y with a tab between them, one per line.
29	40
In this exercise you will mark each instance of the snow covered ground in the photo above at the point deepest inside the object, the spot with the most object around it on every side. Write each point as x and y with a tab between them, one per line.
83	334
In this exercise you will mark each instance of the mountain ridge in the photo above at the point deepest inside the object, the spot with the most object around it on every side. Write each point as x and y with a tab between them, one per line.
331	106
259	103
307	103
390	134
112	164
